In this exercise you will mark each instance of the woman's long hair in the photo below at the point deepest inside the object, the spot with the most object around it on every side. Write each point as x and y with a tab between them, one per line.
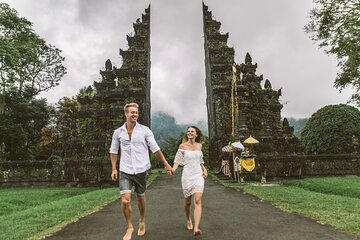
199	137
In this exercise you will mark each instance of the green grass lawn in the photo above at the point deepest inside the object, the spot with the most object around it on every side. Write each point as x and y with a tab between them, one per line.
18	199
30	213
329	200
342	186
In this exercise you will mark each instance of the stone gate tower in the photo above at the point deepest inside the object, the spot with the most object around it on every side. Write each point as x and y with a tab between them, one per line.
102	105
238	106
219	59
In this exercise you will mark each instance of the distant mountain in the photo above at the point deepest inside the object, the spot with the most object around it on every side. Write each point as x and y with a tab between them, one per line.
298	124
165	128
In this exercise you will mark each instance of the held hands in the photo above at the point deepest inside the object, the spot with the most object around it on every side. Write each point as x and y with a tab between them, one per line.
114	174
168	169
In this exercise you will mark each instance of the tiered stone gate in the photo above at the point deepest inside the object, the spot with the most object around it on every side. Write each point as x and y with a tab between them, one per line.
237	106
103	110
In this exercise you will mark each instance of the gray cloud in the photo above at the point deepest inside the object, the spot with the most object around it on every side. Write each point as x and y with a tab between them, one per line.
91	31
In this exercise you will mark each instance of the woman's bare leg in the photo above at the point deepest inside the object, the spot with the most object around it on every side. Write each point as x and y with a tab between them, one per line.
189	225
197	212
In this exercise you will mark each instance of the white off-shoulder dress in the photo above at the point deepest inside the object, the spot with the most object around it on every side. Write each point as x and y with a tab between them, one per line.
192	179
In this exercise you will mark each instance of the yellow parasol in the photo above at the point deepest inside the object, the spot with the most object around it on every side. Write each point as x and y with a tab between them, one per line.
251	140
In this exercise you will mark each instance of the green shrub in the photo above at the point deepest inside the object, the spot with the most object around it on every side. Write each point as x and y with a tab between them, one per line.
332	129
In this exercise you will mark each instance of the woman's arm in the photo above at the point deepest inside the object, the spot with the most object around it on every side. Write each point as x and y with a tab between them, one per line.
175	166
179	158
205	173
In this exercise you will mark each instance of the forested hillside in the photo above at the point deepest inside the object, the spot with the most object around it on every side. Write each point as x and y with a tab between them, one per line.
169	134
298	124
165	128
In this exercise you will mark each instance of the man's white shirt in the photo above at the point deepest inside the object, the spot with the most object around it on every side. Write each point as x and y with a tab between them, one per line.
134	154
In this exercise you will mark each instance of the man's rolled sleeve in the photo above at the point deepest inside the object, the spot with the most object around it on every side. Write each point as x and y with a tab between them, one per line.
114	143
150	139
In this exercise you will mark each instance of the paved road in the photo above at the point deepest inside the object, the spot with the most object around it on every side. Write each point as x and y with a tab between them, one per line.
227	215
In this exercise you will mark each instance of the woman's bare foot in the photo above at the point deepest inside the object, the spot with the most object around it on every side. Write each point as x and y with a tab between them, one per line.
189	224
128	234
197	232
141	231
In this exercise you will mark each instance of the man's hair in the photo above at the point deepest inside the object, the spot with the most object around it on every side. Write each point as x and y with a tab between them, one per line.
130	105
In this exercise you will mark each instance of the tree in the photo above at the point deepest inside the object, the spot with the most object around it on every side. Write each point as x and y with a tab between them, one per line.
28	65
21	125
66	123
170	148
332	129
335	24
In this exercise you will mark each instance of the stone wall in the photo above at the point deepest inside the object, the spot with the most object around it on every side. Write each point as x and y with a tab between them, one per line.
98	172
294	166
56	173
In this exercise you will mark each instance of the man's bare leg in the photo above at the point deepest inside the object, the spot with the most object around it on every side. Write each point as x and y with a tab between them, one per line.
197	212
127	211
141	205
189	224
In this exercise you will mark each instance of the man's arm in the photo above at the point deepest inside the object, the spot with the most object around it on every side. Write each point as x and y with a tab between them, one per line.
114	149
167	166
114	172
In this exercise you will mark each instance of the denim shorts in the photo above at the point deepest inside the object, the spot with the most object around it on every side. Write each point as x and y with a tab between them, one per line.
127	181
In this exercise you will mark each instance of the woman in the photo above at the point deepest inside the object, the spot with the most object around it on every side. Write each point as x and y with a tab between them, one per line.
190	156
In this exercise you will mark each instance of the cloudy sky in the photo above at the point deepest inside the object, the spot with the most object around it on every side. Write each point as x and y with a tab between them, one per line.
91	31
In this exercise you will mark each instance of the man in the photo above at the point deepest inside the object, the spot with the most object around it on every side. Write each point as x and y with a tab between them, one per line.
134	140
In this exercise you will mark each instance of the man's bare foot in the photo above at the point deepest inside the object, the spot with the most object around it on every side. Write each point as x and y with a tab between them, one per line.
128	234
189	225
141	230
197	232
